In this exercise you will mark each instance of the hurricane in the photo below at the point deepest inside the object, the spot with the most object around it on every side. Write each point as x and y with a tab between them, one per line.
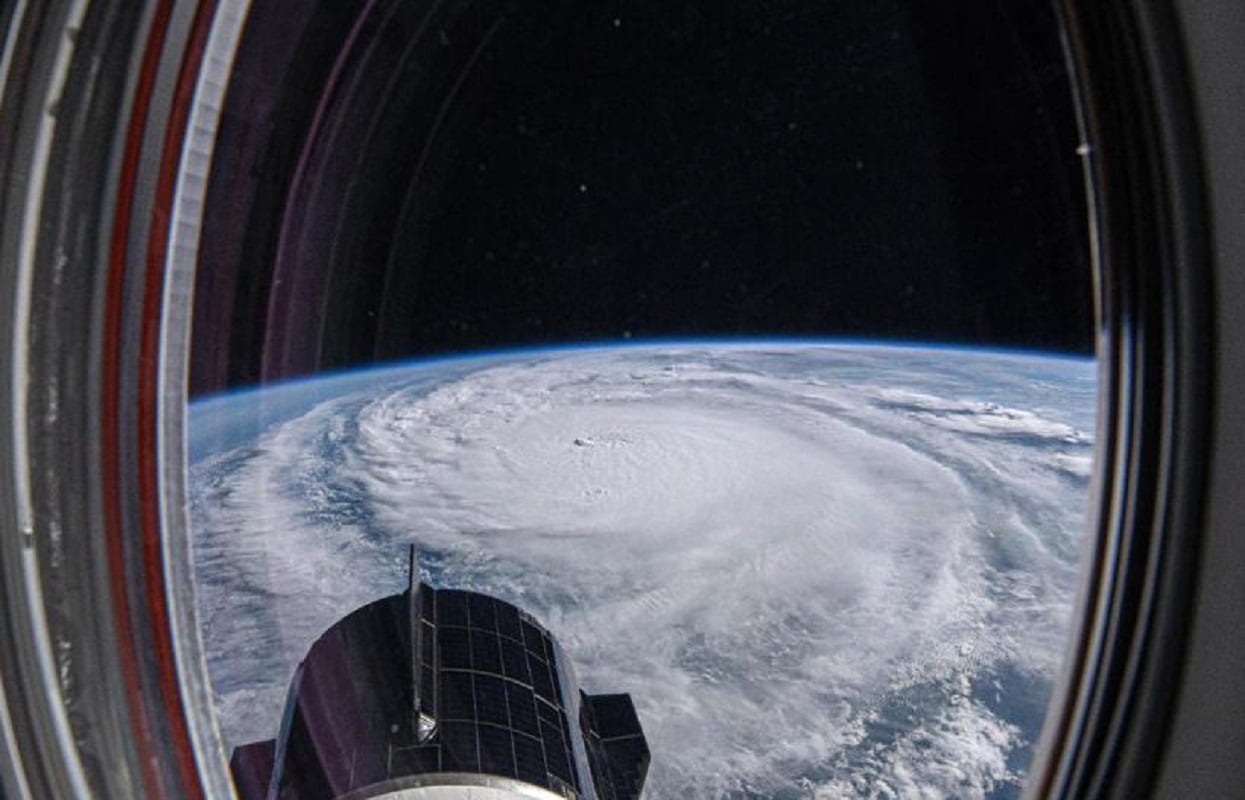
819	569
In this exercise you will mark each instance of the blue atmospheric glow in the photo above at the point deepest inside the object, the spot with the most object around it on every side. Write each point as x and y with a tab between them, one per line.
375	370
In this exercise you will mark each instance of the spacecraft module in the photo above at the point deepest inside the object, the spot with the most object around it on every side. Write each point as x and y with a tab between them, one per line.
440	694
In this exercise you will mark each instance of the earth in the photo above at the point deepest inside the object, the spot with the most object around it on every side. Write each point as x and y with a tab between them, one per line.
820	569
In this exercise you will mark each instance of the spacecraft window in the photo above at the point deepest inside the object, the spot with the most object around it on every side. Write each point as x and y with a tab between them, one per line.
750	349
762	399
733	370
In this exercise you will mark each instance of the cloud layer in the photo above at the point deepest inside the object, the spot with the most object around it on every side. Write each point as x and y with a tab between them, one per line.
817	570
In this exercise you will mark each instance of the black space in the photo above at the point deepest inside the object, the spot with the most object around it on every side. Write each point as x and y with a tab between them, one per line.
518	173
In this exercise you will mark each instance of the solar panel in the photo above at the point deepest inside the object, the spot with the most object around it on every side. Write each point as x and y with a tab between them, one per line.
522	705
508	621
514	661
485	651
457	697
541	681
489	700
529	756
459	752
455	648
490	695
496	751
482	612
451	607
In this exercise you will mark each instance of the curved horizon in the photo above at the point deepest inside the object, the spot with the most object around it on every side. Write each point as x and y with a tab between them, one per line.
519	350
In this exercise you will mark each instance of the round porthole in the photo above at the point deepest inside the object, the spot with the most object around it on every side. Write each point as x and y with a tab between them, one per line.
769	400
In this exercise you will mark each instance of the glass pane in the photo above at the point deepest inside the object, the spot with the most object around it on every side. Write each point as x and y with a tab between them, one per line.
748	348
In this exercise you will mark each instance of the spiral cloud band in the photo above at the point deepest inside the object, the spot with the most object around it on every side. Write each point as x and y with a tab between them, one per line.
819	570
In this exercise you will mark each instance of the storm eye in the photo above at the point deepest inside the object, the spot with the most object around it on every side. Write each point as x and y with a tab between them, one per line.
569	400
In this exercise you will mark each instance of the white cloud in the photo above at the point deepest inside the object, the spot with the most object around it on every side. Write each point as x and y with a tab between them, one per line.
765	550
